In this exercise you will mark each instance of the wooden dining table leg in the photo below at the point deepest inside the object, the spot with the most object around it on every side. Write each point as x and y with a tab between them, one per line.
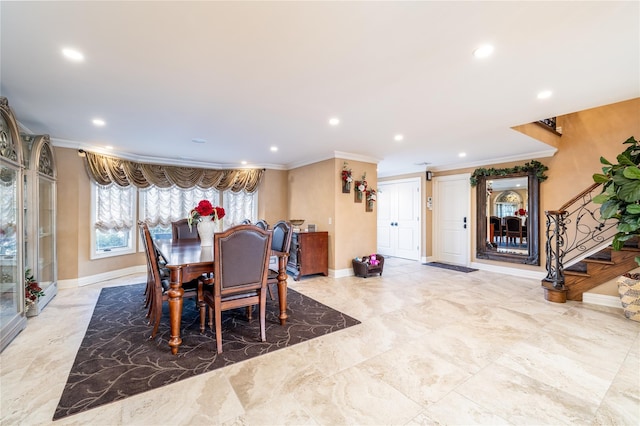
282	288
175	308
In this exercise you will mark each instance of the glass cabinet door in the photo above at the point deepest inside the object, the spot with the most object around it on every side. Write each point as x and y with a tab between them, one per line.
12	302
10	271
46	243
40	221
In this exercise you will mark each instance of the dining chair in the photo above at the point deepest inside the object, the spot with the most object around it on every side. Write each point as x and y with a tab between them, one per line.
180	231
281	241
514	228
240	265
158	279
498	230
246	222
262	224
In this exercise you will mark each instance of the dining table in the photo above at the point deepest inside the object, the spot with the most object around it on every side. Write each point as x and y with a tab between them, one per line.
188	260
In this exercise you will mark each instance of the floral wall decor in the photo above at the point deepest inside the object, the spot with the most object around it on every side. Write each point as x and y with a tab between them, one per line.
346	178
372	196
360	188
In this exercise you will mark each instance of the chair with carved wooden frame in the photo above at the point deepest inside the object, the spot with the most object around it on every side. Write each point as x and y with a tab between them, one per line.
158	280
180	231
281	241
513	224
241	265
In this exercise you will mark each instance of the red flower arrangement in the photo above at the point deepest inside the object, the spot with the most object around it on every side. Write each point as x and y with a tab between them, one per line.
521	212
32	291
205	208
346	173
372	195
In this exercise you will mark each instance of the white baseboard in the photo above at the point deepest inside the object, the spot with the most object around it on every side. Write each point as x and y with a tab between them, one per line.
525	273
341	273
602	300
93	279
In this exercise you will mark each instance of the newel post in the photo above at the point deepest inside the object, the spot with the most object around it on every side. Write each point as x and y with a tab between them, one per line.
553	283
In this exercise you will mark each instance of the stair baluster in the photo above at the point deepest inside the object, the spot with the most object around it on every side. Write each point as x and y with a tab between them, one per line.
573	232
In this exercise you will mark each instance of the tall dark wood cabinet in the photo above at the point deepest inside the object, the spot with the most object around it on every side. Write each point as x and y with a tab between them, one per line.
309	254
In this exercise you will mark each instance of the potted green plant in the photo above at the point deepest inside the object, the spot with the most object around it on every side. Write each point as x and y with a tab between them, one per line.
620	199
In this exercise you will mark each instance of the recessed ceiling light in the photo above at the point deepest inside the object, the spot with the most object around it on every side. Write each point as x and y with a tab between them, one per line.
108	147
334	121
73	55
98	122
274	149
244	163
462	154
483	51
198	140
545	94
398	138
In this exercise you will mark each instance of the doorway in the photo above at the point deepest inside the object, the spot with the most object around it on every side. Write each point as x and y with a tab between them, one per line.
399	219
452	219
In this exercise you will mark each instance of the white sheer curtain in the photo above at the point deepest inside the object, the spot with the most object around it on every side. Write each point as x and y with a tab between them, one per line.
114	207
160	207
239	206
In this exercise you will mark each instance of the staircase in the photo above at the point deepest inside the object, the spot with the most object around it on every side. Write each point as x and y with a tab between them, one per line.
599	268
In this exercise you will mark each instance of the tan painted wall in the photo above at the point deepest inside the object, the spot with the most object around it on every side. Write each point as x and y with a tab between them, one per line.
313	193
586	136
355	230
74	211
273	194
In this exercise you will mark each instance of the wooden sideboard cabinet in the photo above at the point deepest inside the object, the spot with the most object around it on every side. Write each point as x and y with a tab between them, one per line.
309	254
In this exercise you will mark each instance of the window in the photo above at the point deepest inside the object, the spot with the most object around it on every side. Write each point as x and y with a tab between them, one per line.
508	203
113	224
161	206
239	206
113	213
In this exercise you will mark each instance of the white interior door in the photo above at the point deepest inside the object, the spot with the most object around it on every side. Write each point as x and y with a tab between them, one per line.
452	219
399	218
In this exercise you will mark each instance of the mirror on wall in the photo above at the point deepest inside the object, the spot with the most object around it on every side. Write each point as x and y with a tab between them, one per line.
507	218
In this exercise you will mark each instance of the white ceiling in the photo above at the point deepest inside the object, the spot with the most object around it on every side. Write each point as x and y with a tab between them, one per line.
248	75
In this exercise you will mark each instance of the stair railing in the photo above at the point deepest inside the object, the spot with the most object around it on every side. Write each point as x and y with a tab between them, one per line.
573	231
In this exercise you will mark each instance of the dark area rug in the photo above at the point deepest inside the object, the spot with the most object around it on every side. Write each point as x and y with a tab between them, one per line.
116	358
451	267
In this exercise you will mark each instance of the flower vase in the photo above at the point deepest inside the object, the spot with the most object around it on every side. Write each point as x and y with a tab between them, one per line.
206	227
346	187
357	194
369	206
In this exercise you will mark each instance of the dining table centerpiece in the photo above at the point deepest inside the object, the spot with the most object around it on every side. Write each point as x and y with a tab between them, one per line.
208	220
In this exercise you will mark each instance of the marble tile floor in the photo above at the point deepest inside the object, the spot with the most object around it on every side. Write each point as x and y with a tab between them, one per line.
435	347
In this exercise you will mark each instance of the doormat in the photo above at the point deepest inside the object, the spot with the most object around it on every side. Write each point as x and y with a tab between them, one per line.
450	267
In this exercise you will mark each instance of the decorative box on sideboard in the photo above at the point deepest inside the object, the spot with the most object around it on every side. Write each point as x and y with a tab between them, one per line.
309	254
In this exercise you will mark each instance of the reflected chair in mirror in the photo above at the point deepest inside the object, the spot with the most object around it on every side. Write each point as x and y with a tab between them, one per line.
514	229
498	230
180	231
281	241
241	266
262	224
158	279
246	222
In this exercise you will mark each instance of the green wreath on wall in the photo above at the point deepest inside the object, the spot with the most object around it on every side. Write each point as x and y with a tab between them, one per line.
532	166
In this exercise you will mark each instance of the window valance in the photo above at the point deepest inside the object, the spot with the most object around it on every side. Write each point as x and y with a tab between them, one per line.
105	170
